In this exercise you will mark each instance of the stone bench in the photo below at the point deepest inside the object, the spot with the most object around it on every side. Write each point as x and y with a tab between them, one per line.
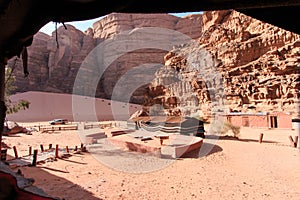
92	138
120	132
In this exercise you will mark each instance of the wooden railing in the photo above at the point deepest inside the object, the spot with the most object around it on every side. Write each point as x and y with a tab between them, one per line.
58	128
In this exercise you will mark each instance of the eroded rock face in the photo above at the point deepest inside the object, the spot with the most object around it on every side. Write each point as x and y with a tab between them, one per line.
239	64
38	66
64	58
116	23
54	69
237	61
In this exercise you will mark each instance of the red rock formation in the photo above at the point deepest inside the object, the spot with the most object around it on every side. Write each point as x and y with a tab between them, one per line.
240	62
54	69
245	63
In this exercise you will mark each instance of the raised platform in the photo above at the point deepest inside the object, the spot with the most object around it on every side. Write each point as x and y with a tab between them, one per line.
158	144
93	137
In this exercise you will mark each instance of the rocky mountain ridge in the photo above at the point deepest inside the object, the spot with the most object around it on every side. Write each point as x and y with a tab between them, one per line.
239	64
54	62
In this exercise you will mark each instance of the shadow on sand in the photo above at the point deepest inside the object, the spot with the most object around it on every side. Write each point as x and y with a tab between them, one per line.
57	186
226	137
206	147
5	146
205	150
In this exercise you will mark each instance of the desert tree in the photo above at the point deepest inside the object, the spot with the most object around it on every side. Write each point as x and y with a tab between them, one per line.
12	107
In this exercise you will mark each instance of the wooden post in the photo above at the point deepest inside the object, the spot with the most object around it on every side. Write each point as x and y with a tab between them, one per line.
50	146
30	150
298	116
56	151
2	118
3	108
15	151
296	141
3	154
83	148
261	138
67	149
292	141
34	159
42	148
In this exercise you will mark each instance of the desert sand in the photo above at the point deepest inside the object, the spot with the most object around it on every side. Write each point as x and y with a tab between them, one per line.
233	169
45	106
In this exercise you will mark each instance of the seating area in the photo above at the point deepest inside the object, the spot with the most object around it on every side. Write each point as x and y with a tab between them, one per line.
160	144
92	138
161	139
120	132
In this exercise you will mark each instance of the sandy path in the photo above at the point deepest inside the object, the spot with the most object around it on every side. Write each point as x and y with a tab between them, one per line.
234	169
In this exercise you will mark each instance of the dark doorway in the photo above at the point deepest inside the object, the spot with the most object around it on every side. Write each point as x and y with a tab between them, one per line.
229	119
273	121
245	121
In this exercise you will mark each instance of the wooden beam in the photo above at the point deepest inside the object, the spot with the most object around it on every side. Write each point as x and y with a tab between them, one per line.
34	159
56	151
15	151
2	97
261	138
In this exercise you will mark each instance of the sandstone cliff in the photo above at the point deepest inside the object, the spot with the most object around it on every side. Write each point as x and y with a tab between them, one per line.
54	69
38	63
239	64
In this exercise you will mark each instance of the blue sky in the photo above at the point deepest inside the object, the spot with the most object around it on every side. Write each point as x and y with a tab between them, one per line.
83	25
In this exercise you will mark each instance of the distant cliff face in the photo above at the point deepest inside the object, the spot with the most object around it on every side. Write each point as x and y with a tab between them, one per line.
236	61
54	63
239	62
115	23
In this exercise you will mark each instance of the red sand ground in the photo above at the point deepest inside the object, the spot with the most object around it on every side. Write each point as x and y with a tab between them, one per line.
234	169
